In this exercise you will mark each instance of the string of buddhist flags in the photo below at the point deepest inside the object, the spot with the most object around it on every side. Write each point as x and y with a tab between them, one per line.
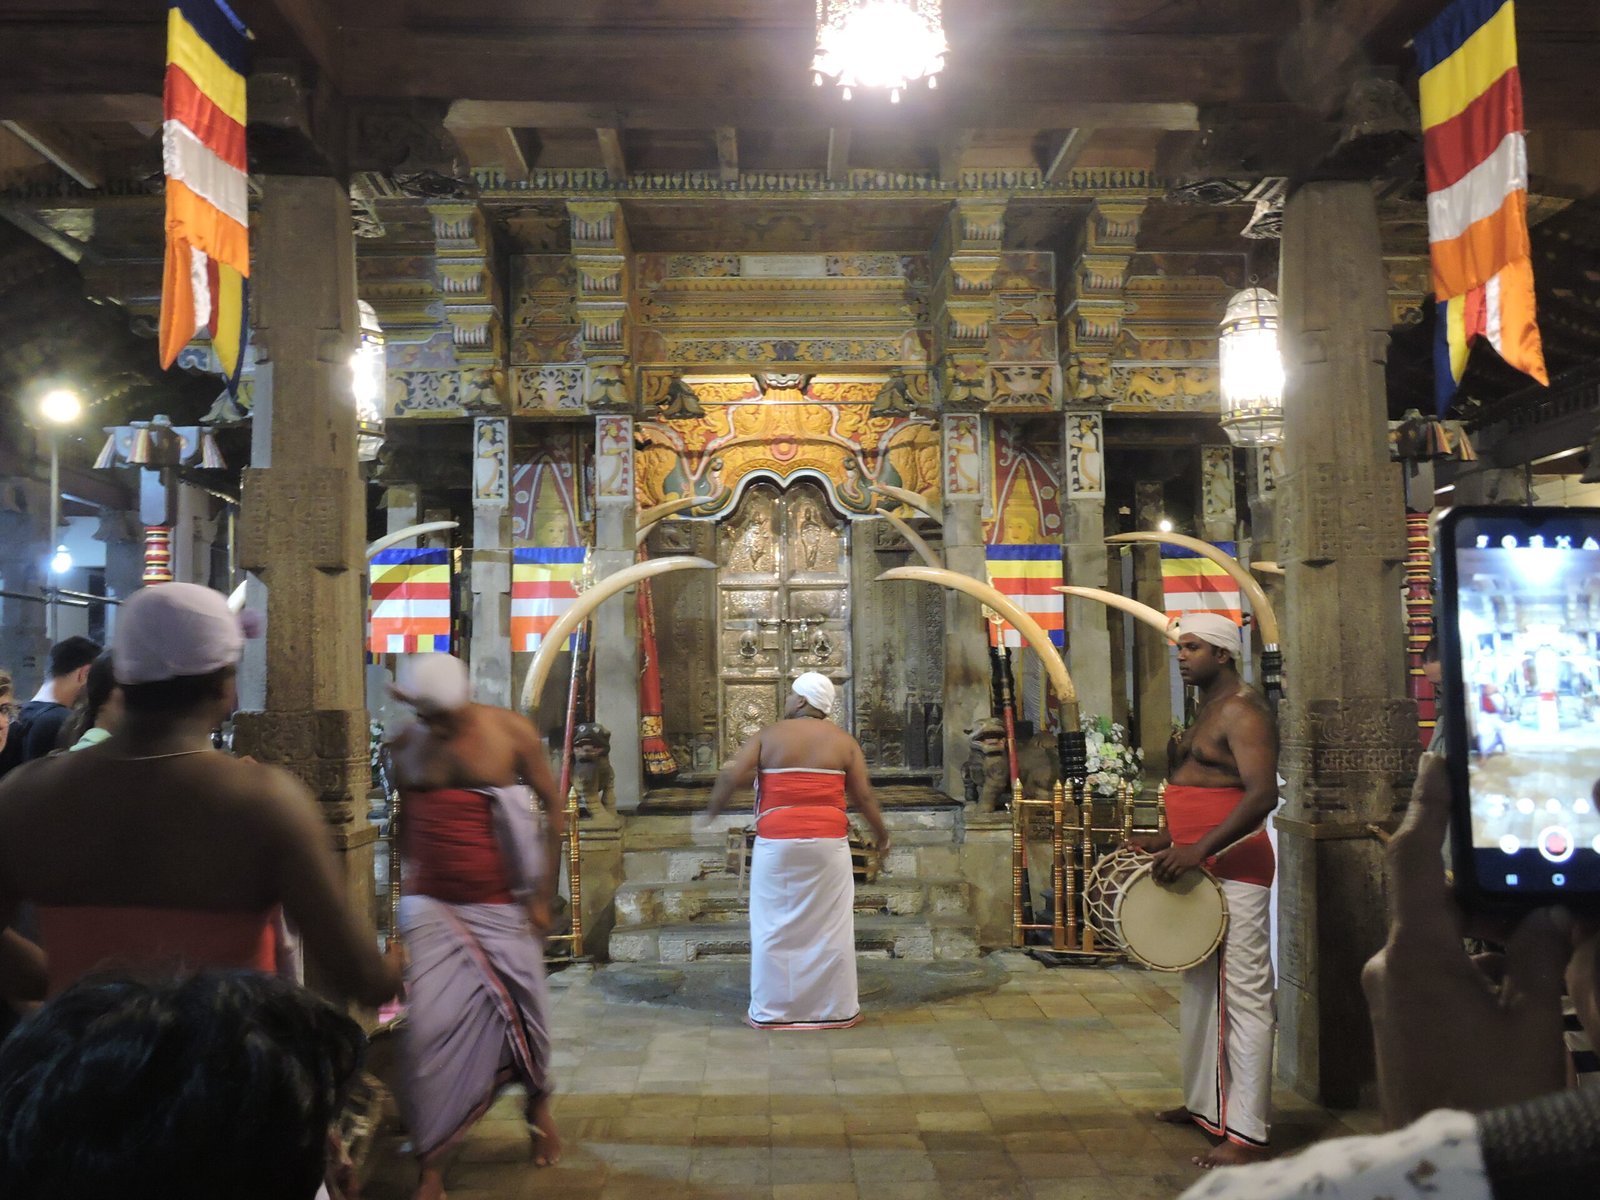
544	583
1028	575
409	605
1475	152
207	193
1193	584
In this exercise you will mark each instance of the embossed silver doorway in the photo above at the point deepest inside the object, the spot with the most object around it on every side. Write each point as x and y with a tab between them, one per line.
783	605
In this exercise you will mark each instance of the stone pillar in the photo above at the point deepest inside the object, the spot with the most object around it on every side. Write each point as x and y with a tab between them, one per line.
614	639
302	522
1217	509
490	654
966	636
1348	730
1152	661
1492	485
1084	516
25	547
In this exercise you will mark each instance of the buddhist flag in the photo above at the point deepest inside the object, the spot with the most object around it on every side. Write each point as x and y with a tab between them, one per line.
544	583
203	148
1476	155
1193	584
409	610
1028	575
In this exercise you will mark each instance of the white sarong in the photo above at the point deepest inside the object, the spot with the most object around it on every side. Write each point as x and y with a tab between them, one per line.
802	935
1227	1002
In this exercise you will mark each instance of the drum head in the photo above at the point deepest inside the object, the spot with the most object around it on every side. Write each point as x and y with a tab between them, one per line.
1172	927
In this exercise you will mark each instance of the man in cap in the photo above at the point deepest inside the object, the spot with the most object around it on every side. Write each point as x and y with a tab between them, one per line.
1222	784
802	890
477	886
152	849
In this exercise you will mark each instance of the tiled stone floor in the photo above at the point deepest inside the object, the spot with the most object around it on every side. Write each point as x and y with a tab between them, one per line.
1040	1091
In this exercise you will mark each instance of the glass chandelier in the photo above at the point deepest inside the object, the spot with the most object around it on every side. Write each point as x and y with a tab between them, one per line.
1252	369
879	44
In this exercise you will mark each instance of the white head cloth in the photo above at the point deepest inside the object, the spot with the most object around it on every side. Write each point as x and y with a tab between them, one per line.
434	683
816	690
173	630
1215	629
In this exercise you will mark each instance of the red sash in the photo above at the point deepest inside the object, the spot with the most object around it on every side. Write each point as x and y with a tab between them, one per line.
801	803
448	837
1193	812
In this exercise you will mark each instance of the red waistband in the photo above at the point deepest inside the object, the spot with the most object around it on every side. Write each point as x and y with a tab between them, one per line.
80	939
448	838
1193	812
801	804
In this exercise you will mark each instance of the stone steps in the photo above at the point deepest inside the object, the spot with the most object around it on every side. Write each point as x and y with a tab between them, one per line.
719	900
919	939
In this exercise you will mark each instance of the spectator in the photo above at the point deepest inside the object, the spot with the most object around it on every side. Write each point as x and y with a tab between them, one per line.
38	724
219	1086
98	712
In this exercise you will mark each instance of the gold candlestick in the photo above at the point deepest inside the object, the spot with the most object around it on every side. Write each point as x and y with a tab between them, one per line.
1064	920
1016	863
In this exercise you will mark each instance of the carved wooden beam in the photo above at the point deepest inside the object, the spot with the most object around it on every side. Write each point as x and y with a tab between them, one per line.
728	153
66	148
838	154
494	146
1068	149
134	108
611	156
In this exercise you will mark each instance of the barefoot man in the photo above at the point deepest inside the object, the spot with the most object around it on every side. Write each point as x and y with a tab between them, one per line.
477	888
802	890
1222	784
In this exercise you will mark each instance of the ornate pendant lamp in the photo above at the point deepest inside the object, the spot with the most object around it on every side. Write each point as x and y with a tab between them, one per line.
1252	369
879	44
368	378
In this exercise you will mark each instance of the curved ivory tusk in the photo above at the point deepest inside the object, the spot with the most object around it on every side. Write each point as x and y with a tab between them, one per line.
533	686
410	531
660	512
236	599
1152	617
1025	625
920	503
924	551
1258	597
1267	568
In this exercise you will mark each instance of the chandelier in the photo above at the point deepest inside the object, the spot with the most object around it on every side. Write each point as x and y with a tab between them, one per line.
879	44
368	379
1252	369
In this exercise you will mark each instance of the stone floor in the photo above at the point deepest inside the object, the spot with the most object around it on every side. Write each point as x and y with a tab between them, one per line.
1038	1090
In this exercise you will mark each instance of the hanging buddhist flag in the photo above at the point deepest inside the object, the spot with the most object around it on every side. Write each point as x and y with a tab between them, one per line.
409	609
544	583
1194	584
1476	156
1028	575
203	151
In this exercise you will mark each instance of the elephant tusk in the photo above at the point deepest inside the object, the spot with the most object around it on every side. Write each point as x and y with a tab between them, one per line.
236	597
1267	568
1152	617
1247	582
660	512
920	503
533	686
1025	625
924	551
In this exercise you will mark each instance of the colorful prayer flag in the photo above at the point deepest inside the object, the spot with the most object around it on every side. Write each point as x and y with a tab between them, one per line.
1192	583
1028	575
1476	156
409	606
544	583
208	202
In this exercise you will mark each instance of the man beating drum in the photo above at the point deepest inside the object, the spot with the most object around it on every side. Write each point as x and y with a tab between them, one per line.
1222	784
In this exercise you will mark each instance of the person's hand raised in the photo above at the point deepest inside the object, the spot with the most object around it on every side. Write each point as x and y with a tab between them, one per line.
1446	1036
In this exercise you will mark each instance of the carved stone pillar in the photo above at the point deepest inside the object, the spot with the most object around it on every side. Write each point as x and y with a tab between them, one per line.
301	524
966	257
615	636
603	258
490	653
1218	510
1084	515
1348	730
1152	661
966	644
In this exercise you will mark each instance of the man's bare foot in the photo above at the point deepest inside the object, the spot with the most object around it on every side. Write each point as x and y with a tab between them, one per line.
543	1136
1175	1116
430	1185
1231	1154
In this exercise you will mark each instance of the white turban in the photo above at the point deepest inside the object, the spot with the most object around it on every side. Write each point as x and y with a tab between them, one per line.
1215	629
434	683
816	690
174	630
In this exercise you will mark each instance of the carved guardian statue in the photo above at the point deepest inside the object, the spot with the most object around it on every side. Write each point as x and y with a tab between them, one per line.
591	768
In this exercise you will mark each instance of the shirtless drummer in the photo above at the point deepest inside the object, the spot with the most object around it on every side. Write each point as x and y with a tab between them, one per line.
1222	783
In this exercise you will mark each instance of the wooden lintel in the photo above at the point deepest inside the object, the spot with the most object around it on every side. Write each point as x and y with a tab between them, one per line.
68	107
611	156
838	154
1066	152
64	147
728	153
494	146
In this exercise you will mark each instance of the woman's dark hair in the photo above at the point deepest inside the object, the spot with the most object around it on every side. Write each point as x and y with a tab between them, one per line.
86	712
177	697
221	1084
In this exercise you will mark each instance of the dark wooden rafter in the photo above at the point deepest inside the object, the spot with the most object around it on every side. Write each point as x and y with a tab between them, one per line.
611	154
64	146
1065	149
839	153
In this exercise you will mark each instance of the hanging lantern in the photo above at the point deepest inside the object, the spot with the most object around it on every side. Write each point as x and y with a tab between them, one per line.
883	44
368	378
1252	369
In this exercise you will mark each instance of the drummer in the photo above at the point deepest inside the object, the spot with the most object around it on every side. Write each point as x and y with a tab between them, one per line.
1222	784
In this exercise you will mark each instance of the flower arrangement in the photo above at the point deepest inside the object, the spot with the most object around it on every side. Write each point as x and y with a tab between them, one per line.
1112	761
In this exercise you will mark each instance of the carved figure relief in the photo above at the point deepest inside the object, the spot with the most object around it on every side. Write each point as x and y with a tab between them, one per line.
614	457
1086	477
1218	508
963	454
491	467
